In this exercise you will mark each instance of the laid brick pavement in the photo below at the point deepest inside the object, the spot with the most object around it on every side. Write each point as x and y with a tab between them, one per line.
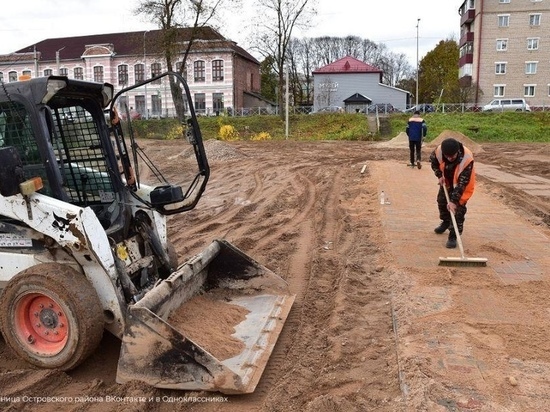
517	250
448	350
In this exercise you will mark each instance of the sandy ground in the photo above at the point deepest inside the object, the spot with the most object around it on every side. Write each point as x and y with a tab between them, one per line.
307	212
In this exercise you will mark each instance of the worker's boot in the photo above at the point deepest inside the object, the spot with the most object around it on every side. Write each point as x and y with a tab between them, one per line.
418	164
451	241
443	226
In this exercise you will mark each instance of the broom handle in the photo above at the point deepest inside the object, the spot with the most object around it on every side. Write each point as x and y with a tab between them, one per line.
459	240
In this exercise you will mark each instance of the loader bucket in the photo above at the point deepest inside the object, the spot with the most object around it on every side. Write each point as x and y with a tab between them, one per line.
211	325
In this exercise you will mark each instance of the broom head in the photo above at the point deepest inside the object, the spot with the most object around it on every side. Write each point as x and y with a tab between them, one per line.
463	262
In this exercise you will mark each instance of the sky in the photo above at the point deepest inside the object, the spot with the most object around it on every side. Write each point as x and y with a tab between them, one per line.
392	22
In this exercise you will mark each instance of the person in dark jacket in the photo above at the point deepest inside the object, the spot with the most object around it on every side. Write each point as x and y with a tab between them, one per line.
416	131
453	165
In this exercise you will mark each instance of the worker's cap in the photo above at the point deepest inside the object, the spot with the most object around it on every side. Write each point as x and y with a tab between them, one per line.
450	147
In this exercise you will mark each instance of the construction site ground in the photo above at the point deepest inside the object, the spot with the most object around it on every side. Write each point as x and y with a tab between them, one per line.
377	324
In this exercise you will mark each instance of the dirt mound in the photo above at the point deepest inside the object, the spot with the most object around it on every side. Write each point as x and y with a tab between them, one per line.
465	140
401	140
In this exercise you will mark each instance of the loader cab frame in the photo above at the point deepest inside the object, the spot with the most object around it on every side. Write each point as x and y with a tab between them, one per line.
59	128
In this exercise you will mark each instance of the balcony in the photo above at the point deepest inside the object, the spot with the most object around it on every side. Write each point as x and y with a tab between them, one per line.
466	59
468	17
466	38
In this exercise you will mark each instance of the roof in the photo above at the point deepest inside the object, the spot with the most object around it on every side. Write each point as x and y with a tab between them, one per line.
348	64
358	98
126	43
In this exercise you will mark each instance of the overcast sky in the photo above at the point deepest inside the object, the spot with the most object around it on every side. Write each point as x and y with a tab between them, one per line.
392	22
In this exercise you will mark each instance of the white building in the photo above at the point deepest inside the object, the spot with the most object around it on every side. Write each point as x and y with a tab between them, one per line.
352	84
221	75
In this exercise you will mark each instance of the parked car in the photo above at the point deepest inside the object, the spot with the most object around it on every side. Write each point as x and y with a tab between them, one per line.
422	108
381	108
134	115
329	109
501	105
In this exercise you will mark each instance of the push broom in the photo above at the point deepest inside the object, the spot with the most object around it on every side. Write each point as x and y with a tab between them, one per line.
462	260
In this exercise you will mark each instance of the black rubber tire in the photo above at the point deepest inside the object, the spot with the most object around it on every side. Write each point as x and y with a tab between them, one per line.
51	316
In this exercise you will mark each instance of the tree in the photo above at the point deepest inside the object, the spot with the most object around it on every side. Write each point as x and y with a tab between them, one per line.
438	74
172	15
274	31
269	79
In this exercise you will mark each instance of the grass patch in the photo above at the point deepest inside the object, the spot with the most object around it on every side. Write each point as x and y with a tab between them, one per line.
481	127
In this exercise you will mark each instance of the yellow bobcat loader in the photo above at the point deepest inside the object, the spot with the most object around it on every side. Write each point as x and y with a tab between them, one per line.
84	247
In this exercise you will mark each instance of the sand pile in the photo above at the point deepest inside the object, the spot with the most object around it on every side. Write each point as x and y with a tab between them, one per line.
402	141
465	140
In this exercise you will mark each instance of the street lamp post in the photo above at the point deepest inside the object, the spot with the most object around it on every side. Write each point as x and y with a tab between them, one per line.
145	74
417	24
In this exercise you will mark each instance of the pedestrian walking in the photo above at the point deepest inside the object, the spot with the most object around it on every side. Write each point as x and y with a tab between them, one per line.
416	131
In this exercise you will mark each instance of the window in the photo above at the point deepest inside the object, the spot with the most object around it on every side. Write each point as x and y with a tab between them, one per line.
502	44
123	75
48	72
531	67
217	102
529	90
499	90
78	73
156	105
139	73
200	103
534	19
217	70
12	76
98	74
140	105
179	69
533	43
199	72
504	1
156	70
27	73
503	20
500	68
1	76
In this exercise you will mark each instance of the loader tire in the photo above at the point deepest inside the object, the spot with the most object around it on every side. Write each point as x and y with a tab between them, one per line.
51	316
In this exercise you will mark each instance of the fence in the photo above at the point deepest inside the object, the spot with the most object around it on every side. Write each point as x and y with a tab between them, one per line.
372	109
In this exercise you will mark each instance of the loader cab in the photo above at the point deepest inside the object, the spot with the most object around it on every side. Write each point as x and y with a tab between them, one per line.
56	127
59	128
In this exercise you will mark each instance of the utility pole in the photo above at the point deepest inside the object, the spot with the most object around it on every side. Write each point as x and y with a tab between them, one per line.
417	25
57	59
145	74
35	62
286	101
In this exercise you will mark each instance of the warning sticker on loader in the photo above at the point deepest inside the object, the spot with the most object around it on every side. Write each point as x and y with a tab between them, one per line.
13	240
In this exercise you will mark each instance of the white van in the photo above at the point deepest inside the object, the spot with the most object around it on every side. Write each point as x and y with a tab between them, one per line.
500	105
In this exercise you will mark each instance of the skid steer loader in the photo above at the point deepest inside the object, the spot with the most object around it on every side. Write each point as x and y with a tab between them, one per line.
84	247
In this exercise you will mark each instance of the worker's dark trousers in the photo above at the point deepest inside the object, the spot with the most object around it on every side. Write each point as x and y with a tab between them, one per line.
415	148
445	215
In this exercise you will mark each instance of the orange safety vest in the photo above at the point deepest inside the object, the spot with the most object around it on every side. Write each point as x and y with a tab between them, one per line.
466	160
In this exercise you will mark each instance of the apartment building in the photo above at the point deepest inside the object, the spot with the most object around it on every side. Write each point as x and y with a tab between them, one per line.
505	49
221	75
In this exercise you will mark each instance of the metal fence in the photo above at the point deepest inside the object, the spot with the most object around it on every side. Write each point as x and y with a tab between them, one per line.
371	110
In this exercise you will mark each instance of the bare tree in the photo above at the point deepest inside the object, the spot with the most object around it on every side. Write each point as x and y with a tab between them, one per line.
274	31
175	44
